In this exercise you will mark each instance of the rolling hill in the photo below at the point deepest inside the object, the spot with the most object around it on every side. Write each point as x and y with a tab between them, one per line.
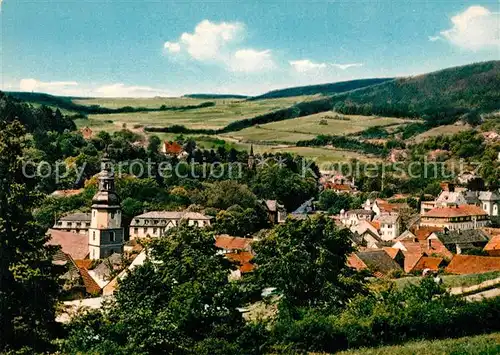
323	89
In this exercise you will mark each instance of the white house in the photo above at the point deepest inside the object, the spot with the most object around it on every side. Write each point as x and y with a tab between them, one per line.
490	202
390	225
156	223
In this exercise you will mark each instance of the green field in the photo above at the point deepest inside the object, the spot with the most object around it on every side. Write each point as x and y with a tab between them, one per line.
452	280
446	130
479	344
272	137
224	112
308	127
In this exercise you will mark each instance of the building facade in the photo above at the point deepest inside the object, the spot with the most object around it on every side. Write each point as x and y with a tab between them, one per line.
156	223
75	222
105	233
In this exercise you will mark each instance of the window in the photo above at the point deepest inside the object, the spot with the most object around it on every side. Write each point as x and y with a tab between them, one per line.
93	235
111	236
155	230
93	213
136	230
144	230
93	254
112	215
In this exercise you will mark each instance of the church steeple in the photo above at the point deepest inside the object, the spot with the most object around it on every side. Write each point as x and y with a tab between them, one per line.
251	158
105	232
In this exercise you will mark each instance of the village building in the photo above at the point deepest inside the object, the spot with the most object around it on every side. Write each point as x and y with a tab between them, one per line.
490	202
74	222
456	217
472	264
390	225
156	223
276	212
229	244
458	241
171	148
86	132
353	217
493	246
237	250
427	263
378	262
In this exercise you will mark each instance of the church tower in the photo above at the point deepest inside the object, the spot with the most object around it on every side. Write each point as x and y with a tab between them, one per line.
251	158
105	232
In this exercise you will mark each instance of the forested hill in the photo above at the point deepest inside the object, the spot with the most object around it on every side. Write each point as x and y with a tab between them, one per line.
324	89
444	94
34	119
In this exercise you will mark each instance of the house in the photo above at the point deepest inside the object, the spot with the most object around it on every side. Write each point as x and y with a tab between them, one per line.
380	206
171	148
74	222
493	246
396	255
105	271
353	217
390	225
276	212
412	251
66	193
230	244
490	202
365	234
377	262
456	217
156	223
243	262
458	241
86	132
339	188
427	263
75	245
472	264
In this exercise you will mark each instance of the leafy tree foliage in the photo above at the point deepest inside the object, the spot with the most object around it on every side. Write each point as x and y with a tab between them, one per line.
306	262
28	280
180	303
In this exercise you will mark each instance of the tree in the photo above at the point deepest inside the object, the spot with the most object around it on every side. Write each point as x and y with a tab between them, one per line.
306	261
179	302
333	202
226	193
154	144
279	183
237	221
28	280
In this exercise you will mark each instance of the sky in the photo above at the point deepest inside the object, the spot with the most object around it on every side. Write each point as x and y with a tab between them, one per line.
145	48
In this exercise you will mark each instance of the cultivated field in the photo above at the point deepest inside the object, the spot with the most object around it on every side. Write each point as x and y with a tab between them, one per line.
447	130
224	112
308	127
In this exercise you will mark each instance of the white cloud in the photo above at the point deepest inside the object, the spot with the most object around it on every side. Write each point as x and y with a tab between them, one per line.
173	47
209	39
435	38
35	85
475	28
250	60
122	90
215	42
347	66
72	88
306	65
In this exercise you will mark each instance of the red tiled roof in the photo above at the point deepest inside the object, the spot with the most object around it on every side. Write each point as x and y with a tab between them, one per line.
424	232
86	263
172	148
428	262
90	285
243	259
232	243
391	251
472	264
458	211
390	207
375	224
341	187
74	244
493	246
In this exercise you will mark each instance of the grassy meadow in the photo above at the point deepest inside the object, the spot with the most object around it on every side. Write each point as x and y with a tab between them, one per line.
479	344
308	127
272	137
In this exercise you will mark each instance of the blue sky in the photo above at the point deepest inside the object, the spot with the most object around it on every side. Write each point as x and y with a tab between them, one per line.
148	48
